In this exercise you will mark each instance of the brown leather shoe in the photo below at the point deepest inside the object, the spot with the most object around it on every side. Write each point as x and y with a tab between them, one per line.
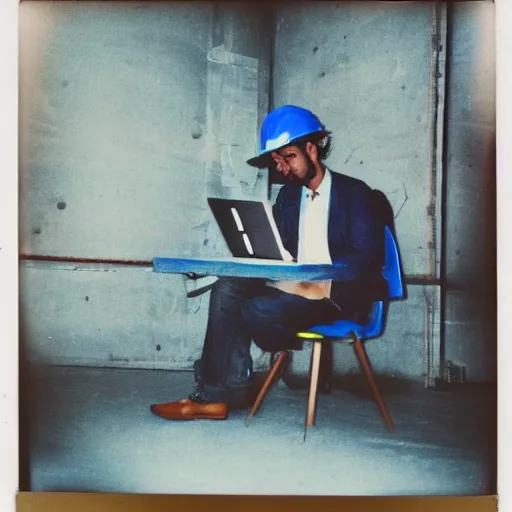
190	410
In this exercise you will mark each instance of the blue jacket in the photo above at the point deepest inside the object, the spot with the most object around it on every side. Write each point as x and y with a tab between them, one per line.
355	235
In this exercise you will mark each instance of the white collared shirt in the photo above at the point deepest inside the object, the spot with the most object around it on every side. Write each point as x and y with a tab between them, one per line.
313	223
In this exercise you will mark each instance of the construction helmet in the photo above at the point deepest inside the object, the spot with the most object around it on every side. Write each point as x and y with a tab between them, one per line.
284	126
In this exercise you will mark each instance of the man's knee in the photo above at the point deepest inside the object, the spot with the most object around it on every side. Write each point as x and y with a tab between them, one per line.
266	331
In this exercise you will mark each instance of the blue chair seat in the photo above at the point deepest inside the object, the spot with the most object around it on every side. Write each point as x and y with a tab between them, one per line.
346	328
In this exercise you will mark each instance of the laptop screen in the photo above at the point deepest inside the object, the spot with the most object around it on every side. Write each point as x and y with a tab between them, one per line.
248	228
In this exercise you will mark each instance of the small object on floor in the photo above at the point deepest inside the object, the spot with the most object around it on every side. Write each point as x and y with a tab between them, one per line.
190	410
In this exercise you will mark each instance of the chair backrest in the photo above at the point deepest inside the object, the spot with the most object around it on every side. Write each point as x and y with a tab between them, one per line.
393	275
392	272
375	324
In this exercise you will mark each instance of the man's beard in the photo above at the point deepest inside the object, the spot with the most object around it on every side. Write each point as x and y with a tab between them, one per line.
310	174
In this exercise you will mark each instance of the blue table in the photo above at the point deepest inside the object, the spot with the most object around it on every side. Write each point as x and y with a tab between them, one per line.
254	268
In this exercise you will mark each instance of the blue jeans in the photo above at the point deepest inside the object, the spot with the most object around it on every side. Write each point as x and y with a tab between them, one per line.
243	310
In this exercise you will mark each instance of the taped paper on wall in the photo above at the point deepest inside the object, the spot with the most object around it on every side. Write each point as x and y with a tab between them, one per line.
233	114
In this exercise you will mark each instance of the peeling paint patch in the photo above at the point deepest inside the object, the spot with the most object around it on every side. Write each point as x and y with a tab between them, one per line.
219	55
232	100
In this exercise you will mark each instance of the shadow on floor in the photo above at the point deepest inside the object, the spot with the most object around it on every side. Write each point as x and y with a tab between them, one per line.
355	384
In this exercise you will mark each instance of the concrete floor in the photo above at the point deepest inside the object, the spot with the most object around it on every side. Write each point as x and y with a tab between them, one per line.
91	430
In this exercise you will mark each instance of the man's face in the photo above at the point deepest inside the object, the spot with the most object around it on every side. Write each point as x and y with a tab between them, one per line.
295	165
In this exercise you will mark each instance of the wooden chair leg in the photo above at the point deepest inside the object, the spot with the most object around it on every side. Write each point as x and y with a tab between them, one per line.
363	359
278	365
316	356
326	367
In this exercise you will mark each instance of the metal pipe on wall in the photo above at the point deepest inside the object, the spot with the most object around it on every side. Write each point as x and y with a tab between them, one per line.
435	171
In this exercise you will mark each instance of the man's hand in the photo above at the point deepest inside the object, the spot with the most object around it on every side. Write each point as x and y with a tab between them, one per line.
281	164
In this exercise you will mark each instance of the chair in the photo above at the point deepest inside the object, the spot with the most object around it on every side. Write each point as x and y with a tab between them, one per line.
345	330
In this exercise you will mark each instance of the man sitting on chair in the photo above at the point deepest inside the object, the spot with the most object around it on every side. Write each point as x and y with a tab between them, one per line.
322	217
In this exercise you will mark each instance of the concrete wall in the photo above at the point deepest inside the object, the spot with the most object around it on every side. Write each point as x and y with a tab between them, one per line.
133	114
114	129
470	336
110	315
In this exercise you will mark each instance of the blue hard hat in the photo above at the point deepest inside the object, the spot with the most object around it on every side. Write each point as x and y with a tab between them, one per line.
282	127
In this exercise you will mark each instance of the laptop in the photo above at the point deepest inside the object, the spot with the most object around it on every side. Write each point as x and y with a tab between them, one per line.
251	233
249	228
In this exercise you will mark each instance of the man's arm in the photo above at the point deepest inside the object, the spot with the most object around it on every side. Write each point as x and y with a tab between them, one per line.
277	208
364	249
